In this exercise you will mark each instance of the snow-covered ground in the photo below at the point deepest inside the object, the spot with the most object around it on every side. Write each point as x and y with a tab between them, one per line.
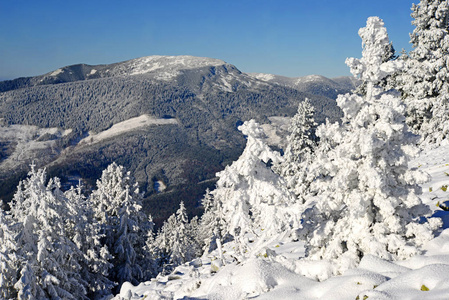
28	143
164	67
126	126
277	269
21	144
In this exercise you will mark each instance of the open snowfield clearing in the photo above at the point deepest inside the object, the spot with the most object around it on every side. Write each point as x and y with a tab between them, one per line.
28	142
126	126
277	269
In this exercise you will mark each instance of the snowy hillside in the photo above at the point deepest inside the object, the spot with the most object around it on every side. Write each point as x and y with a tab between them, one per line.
126	126
162	67
348	208
28	143
314	84
170	65
278	270
156	67
341	215
205	96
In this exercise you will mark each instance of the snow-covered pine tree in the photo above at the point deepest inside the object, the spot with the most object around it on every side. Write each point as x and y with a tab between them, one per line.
117	205
253	198
147	258
183	249
84	231
302	142
175	241
48	269
212	227
160	246
424	84
389	81
9	261
367	196
195	241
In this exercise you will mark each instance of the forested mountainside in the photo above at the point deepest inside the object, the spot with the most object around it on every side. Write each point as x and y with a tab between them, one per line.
205	99
313	84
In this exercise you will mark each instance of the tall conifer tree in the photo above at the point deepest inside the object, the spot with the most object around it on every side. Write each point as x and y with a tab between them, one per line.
424	84
368	197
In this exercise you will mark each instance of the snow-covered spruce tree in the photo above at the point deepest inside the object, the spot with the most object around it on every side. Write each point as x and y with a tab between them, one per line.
302	142
161	245
83	230
367	199
424	84
252	198
212	227
48	269
389	81
117	205
146	258
175	241
9	261
196	242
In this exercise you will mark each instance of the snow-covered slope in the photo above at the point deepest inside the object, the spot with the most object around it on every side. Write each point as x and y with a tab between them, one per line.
314	84
126	126
27	143
161	67
277	269
21	145
206	96
156	67
166	67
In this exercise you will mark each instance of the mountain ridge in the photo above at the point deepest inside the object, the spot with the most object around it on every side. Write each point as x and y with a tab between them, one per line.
207	98
137	66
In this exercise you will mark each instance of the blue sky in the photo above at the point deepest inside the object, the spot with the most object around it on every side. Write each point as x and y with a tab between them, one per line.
285	37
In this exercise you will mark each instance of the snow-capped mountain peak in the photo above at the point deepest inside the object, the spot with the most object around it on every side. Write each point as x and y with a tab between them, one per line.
158	66
167	66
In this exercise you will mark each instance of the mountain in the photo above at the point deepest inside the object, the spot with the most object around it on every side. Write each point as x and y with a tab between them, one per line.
313	84
171	120
157	67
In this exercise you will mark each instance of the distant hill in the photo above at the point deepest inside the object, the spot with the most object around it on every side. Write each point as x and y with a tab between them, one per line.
171	120
312	84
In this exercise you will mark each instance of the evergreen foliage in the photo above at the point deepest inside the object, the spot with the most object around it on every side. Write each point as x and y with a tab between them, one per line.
175	242
250	198
424	84
302	142
212	229
368	197
83	230
9	260
49	267
117	205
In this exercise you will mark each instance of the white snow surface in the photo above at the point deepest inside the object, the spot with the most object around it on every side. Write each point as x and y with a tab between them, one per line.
263	76
310	78
163	67
56	72
277	269
28	143
126	126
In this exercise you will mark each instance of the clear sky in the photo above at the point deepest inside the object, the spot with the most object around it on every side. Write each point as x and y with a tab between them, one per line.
285	37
